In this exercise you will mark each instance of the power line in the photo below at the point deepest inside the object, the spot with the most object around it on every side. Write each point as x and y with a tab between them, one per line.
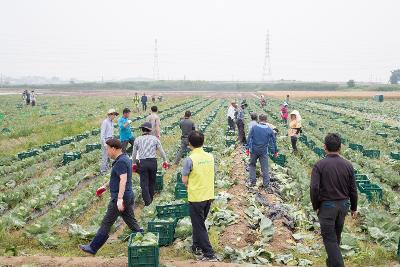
156	70
267	60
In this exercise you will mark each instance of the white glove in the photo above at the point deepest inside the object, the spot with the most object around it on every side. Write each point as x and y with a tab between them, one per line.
129	121
120	205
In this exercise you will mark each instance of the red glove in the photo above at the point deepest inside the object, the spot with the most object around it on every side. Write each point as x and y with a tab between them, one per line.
276	154
134	168
248	152
100	191
165	165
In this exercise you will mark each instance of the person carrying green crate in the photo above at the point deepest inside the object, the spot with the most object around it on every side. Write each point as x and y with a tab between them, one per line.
187	126
333	192
125	133
198	176
122	197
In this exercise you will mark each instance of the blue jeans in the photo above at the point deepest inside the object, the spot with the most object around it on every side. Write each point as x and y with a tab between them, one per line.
264	168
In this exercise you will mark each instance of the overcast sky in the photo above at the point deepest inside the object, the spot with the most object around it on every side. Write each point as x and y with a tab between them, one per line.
310	40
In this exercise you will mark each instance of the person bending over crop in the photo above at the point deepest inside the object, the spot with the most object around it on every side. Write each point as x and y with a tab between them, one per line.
122	198
125	133
294	128
333	192
145	156
198	176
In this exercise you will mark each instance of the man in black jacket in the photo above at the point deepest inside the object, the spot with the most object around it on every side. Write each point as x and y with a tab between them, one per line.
333	191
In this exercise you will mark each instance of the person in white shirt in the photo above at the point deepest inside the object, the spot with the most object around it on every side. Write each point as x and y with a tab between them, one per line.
231	116
106	132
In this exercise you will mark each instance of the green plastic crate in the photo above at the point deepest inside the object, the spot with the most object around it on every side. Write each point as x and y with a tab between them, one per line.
395	155
397	140
80	137
208	149
280	160
373	192
230	142
91	147
356	147
47	147
179	178
159	182
165	230
143	256
176	211
230	133
181	191
66	141
372	153
319	151
362	179
71	156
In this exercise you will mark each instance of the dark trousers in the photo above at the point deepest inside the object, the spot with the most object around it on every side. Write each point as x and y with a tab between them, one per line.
184	147
231	124
144	106
147	169
331	218
125	145
293	139
198	215
113	213
241	134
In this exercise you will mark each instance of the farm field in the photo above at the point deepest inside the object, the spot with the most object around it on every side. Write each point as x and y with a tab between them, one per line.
47	207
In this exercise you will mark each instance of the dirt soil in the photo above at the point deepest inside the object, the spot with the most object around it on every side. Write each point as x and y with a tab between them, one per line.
239	234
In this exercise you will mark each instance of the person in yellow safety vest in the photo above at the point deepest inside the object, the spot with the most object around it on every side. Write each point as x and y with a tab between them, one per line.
136	102
198	176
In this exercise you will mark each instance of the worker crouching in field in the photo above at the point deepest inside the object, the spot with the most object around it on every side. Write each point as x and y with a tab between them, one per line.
122	198
294	128
198	175
333	191
106	132
261	138
145	156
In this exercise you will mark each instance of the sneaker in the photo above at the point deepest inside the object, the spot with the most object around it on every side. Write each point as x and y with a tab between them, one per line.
197	252
212	258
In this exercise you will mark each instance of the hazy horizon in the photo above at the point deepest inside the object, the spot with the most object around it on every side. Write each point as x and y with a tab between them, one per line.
207	40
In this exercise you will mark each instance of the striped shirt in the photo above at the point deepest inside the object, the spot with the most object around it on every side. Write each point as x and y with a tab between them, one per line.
146	146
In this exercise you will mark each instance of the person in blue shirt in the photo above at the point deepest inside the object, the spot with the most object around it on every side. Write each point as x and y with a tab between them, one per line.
261	138
125	132
144	102
122	198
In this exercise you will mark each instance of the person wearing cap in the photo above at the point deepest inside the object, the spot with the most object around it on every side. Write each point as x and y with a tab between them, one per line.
284	112
122	198
144	153
106	132
154	119
144	100
231	115
187	126
294	130
198	175
125	132
254	120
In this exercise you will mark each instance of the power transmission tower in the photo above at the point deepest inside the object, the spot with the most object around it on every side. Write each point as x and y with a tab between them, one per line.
156	71
267	60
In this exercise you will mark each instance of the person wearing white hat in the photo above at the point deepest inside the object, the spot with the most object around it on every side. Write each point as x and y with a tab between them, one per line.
231	115
106	132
